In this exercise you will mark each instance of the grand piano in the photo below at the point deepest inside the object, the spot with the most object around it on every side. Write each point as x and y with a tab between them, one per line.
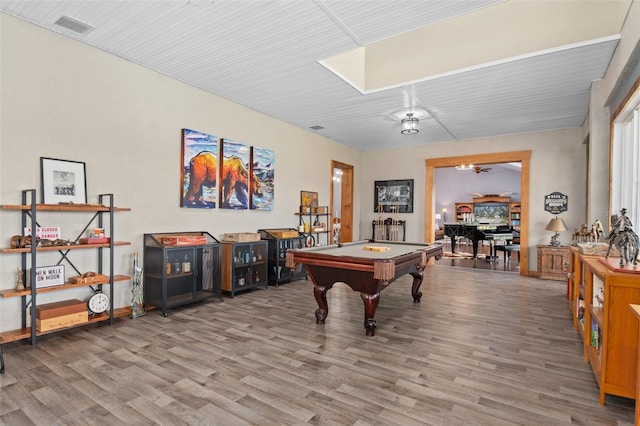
477	232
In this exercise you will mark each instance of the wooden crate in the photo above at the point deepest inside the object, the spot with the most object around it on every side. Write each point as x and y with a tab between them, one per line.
242	237
278	233
57	309
184	240
95	279
63	321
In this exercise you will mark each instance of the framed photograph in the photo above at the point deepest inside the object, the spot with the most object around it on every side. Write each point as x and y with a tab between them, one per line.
308	199
63	181
393	196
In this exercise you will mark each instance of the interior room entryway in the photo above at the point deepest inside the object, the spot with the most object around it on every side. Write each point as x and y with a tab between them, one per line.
523	157
341	202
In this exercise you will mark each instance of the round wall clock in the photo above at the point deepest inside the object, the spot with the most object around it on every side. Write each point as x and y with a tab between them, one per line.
98	303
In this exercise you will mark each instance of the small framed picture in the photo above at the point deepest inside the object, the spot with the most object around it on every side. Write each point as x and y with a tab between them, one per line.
308	199
63	181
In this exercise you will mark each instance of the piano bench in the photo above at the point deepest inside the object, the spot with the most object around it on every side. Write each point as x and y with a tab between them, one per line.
509	248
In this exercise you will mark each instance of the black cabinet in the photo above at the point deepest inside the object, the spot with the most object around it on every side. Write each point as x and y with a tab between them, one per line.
278	242
244	266
176	275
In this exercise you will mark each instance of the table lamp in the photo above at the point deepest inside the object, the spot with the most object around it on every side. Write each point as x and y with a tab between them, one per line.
438	217
557	225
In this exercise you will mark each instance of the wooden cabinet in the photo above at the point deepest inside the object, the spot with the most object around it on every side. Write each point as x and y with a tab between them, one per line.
514	215
244	266
278	242
610	332
636	313
176	275
463	209
101	215
553	262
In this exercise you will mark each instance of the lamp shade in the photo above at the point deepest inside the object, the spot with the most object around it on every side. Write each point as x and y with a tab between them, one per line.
556	224
409	125
438	216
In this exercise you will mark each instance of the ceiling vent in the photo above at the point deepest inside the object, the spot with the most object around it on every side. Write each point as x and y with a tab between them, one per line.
316	127
74	25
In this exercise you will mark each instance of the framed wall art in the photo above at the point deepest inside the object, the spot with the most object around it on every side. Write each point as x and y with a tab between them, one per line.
234	175
63	181
199	171
261	188
393	196
308	199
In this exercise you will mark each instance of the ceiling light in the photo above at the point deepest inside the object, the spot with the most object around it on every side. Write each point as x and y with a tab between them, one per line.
465	167
409	125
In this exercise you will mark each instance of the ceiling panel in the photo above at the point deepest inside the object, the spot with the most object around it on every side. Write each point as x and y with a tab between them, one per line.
264	55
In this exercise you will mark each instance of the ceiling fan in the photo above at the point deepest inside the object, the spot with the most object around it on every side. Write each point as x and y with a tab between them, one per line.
480	169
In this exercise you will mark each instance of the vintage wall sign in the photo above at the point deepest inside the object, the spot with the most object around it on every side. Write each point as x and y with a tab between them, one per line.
45	232
556	202
48	276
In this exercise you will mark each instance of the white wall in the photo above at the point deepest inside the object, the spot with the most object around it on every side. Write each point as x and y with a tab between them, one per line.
65	100
453	186
558	163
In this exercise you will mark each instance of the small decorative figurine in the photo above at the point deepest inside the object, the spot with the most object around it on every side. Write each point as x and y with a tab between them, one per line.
623	238
137	303
19	282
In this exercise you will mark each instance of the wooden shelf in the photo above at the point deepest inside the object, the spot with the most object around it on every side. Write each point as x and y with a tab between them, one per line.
65	207
66	286
25	333
613	363
63	248
29	210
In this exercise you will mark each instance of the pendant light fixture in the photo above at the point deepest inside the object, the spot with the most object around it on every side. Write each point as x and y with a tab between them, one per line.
409	125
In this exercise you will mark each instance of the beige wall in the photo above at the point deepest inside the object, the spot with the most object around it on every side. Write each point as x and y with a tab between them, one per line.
64	100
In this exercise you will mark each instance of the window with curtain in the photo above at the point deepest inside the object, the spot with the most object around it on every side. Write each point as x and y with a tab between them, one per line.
625	170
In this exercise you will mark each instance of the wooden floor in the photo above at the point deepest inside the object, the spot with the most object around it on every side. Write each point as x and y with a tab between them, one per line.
483	348
484	260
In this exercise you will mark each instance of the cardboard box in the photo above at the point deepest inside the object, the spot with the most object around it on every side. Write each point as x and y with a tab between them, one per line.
242	237
57	309
96	279
184	240
63	321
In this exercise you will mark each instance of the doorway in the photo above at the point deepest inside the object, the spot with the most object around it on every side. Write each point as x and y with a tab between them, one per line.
341	202
523	157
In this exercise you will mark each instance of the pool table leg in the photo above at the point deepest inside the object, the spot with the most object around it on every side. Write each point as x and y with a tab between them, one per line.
320	293
415	288
370	305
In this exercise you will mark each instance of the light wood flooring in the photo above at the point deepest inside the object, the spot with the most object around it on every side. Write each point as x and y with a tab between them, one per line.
483	348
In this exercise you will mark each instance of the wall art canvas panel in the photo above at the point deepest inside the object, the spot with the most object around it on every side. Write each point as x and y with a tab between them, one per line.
261	185
199	170
234	175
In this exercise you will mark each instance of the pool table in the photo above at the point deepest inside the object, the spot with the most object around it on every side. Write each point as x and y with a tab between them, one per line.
365	266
